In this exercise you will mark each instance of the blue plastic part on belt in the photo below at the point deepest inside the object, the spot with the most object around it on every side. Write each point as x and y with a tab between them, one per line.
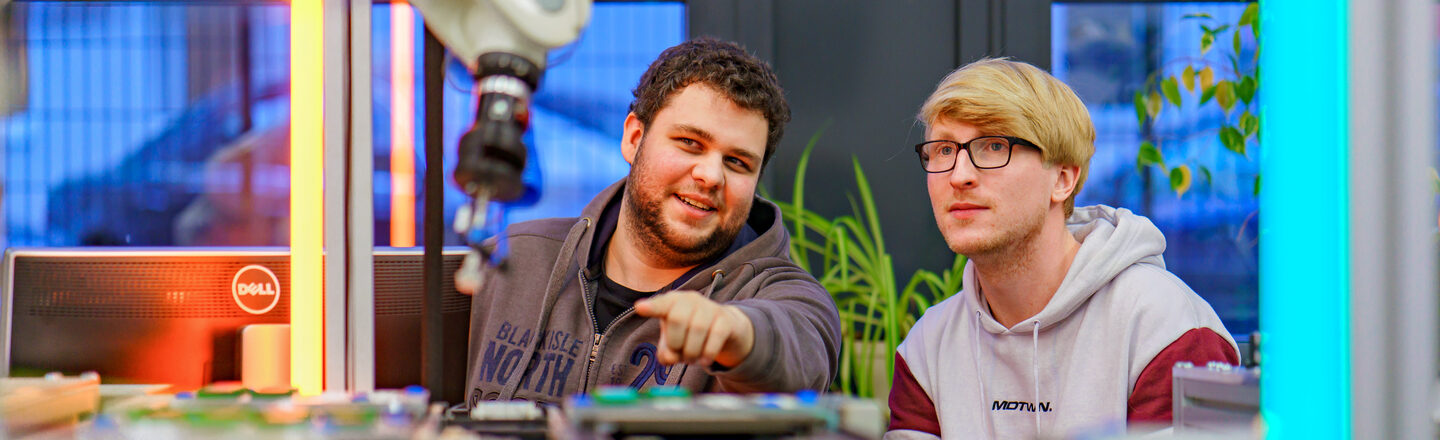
808	397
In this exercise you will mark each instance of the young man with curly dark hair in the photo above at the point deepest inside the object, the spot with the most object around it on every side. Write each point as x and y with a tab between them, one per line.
677	274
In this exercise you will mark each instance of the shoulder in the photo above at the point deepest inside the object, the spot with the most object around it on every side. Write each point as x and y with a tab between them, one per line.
947	319
551	228
776	269
1162	313
1151	294
540	230
534	243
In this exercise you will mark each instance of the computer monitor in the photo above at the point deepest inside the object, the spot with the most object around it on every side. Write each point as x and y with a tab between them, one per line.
173	315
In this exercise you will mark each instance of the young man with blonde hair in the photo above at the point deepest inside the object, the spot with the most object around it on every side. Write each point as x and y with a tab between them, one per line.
1068	322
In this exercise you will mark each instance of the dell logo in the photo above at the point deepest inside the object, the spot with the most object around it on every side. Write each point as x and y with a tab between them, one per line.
255	288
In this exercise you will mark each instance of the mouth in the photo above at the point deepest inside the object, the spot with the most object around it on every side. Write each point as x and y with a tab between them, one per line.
695	203
966	209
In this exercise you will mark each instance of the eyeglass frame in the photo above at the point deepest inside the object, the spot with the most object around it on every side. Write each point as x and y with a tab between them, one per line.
1012	142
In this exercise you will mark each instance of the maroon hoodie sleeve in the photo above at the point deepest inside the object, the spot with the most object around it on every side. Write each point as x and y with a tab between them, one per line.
1151	400
910	407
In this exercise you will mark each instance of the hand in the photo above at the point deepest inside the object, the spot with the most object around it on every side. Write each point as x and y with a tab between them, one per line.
696	330
468	278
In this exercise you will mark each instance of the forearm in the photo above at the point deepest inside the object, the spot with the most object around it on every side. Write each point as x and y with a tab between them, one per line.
796	346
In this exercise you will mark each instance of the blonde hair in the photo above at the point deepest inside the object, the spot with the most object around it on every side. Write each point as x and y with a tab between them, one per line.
1011	98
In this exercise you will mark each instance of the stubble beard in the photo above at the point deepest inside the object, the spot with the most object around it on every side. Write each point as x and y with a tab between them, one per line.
657	237
1004	242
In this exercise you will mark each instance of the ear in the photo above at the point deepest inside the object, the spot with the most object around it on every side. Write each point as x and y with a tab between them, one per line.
630	139
1065	181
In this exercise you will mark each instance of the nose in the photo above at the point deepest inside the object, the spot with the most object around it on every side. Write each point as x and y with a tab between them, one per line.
964	174
709	171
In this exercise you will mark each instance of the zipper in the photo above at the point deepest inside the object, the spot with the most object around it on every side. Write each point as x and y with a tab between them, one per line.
599	333
594	326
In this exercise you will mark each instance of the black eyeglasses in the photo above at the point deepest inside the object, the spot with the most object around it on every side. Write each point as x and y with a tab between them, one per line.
986	152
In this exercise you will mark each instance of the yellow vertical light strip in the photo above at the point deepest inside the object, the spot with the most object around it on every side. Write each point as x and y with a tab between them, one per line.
402	125
307	320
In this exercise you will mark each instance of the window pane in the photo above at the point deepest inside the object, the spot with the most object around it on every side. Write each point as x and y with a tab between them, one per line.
1108	53
143	124
576	115
162	124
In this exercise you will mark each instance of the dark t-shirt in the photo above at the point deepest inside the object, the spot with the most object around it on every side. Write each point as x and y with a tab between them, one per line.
612	299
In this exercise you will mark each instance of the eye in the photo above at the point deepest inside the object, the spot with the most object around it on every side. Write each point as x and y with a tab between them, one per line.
738	164
995	146
946	150
687	144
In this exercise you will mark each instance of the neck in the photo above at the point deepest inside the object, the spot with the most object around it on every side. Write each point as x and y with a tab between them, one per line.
630	264
1018	281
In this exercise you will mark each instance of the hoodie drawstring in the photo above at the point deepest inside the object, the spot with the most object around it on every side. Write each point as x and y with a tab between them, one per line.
975	345
1035	364
552	290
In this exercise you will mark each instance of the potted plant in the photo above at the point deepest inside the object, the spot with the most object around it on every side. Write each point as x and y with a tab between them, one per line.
847	255
1228	81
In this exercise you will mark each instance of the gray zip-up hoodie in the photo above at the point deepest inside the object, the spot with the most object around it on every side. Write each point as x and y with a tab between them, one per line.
539	313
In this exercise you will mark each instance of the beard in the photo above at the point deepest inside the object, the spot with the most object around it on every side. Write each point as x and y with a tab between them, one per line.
1010	235
645	199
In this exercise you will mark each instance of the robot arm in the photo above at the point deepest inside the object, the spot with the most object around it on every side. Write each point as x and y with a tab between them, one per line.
503	43
525	28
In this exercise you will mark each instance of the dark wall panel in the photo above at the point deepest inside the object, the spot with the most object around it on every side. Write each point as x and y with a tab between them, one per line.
861	69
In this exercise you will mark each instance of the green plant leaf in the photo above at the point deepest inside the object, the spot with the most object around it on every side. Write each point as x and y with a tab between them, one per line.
1180	180
1172	90
1251	16
1246	90
1257	185
1196	15
1232	139
1235	41
1207	77
868	200
802	259
1149	155
1225	95
1204	171
1153	103
1140	112
1207	95
1206	39
1255	27
1188	76
1249	124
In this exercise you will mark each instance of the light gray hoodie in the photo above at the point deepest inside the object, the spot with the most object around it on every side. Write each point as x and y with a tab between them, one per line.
1067	370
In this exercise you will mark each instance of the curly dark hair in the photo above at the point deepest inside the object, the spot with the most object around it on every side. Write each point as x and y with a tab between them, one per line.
726	66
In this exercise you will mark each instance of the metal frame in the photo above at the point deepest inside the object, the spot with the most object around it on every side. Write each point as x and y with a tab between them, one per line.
1392	217
336	123
360	362
432	334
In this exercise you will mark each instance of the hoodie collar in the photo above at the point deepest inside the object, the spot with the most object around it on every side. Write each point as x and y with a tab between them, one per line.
1111	240
762	235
